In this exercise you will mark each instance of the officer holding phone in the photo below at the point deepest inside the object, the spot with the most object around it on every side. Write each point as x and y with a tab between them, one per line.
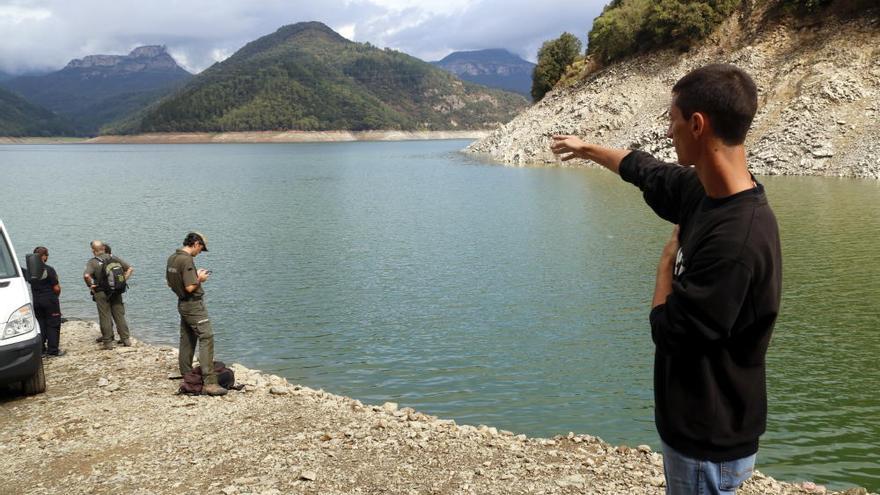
195	326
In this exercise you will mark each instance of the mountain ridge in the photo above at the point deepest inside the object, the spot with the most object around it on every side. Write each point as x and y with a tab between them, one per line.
305	76
97	89
493	67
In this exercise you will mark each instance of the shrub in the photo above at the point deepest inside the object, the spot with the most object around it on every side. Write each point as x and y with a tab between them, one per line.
553	57
626	27
614	32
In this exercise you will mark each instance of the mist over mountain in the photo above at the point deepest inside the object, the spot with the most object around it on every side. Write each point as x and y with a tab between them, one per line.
496	68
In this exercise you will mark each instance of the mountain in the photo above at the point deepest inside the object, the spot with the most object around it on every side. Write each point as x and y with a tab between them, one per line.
99	89
496	68
19	118
306	76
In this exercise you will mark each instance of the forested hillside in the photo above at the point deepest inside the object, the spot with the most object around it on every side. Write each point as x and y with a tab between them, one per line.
20	118
307	77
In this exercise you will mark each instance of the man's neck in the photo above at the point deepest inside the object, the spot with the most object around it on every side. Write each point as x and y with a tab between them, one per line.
188	250
723	171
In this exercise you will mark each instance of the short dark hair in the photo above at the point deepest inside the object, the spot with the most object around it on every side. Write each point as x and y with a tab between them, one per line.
192	238
725	93
41	251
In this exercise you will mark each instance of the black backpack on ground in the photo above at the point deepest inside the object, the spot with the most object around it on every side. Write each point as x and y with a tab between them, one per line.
111	276
192	382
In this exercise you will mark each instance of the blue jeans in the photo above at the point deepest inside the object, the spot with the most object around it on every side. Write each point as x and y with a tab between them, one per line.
687	476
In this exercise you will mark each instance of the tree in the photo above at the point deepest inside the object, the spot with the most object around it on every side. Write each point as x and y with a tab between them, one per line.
553	57
627	27
614	33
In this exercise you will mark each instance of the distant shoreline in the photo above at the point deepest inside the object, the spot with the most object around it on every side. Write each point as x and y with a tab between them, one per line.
253	137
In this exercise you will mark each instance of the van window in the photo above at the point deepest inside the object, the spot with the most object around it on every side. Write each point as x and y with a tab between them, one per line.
7	263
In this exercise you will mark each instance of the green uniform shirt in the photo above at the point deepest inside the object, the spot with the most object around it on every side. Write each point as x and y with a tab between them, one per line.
181	272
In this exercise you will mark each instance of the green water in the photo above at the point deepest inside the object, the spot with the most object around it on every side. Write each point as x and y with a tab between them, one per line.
409	272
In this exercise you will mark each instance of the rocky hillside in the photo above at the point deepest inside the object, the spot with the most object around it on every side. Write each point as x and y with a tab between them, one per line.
819	83
98	89
496	68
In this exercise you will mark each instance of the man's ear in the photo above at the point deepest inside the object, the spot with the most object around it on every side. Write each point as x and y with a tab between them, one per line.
698	124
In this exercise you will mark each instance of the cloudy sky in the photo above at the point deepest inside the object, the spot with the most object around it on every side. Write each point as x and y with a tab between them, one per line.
41	34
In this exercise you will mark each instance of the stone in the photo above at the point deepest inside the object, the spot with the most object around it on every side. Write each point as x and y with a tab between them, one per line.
574	480
103	382
279	390
308	475
645	449
827	152
389	407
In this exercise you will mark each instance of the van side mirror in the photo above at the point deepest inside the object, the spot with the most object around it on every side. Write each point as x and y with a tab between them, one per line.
35	267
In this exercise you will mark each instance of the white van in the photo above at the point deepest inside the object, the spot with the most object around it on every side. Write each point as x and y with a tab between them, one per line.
21	345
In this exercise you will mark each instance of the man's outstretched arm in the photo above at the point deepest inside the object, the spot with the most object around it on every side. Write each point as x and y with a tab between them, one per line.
570	147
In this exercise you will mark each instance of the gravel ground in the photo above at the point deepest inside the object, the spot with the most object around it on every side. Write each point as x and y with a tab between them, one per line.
110	422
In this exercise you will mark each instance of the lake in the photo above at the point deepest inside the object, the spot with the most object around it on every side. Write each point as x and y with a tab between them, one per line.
409	272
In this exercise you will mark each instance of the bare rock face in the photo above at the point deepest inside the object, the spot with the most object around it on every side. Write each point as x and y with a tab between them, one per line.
819	101
152	57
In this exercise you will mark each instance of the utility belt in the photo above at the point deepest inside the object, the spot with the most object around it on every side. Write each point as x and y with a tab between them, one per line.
189	298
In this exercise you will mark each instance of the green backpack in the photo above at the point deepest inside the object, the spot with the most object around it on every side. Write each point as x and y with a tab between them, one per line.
111	276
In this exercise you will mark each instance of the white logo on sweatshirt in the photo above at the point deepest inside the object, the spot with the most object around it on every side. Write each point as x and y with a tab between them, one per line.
679	264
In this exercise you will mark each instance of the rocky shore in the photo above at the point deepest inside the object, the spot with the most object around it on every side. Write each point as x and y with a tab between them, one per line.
110	422
819	99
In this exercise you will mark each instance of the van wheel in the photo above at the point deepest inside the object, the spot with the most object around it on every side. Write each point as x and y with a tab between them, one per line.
36	384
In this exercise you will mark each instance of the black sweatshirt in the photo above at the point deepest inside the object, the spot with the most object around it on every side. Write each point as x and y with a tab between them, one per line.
712	333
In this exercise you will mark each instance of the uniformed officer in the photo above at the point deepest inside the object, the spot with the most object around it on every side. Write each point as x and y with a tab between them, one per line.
111	307
186	281
47	307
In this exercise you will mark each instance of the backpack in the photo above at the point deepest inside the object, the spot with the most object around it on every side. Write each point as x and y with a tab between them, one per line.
192	382
111	276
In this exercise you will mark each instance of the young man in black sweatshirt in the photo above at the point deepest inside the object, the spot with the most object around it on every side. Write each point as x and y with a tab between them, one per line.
718	283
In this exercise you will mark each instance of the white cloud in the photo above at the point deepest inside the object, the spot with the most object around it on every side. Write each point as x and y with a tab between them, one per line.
220	54
347	31
14	14
48	33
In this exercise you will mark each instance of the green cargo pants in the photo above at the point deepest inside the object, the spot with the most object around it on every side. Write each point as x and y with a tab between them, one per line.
195	326
111	310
